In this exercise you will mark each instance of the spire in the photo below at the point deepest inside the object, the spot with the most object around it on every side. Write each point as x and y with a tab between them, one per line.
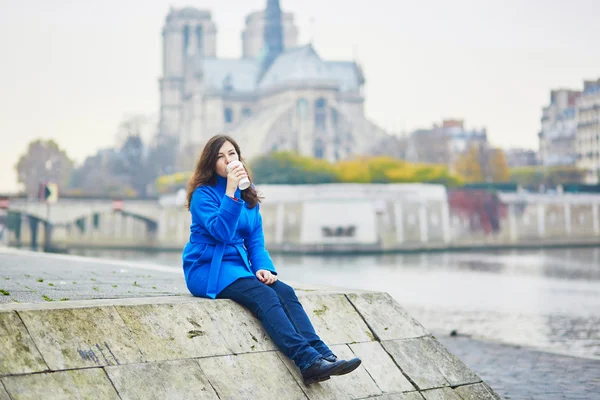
273	35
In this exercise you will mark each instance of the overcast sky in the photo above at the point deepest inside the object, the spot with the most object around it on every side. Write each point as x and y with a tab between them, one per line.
71	70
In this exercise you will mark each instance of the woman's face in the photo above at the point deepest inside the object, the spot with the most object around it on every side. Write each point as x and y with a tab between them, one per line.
226	155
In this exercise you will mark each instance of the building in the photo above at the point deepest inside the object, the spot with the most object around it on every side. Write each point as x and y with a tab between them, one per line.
520	158
278	96
443	144
588	131
559	127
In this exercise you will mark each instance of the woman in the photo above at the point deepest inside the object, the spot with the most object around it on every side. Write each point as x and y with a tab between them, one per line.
226	259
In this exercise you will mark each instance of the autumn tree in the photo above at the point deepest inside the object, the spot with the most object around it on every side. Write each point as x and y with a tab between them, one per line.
44	161
497	166
468	165
482	164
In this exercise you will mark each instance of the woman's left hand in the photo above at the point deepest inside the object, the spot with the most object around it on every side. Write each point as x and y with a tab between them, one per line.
266	277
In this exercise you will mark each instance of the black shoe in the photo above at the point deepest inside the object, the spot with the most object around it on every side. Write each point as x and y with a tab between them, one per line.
321	370
351	365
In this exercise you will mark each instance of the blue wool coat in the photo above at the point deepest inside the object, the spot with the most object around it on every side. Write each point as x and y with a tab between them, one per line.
226	241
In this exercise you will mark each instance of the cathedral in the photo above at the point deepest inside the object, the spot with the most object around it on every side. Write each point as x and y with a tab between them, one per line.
278	96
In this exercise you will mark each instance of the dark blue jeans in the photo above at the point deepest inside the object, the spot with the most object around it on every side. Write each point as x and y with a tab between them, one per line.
283	317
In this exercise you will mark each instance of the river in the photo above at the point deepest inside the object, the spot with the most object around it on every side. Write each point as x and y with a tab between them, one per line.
545	299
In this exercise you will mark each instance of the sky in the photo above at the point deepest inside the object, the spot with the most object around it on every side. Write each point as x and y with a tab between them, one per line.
73	70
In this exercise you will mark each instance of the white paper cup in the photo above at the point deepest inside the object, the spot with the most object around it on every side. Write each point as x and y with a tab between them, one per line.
244	183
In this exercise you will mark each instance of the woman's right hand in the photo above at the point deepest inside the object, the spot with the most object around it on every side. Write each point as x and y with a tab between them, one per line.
234	176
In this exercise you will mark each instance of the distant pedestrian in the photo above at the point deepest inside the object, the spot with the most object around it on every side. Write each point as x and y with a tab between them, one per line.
226	258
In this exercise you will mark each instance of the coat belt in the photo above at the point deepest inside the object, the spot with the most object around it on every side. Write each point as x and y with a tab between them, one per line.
215	264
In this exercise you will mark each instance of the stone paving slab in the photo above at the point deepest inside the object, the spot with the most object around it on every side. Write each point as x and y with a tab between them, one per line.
81	337
381	367
250	335
235	377
441	394
519	373
181	379
412	357
386	318
478	391
18	353
92	384
455	372
3	394
397	396
356	385
165	332
330	312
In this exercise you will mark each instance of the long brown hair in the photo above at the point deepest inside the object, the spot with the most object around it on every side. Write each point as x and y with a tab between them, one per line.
206	174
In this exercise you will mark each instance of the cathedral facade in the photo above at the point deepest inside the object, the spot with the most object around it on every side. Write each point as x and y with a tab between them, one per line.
278	96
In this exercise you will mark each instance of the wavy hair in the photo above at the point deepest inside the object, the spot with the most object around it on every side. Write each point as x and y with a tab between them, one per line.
206	174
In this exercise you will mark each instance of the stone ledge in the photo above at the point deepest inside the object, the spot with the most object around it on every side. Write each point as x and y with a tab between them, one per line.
165	347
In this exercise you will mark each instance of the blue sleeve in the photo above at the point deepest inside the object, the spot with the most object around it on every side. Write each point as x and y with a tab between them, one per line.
220	220
259	256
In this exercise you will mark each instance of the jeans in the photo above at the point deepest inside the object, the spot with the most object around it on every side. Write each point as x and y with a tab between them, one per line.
283	317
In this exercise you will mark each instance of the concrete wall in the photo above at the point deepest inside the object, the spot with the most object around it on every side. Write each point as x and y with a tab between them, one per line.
184	347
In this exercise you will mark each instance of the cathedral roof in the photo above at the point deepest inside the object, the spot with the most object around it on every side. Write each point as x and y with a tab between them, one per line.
188	13
293	66
241	74
303	64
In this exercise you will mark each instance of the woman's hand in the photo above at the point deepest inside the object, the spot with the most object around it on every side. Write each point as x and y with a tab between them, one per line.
266	277
233	179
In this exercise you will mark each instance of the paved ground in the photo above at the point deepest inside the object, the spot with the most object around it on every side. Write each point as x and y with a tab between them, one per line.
518	373
515	373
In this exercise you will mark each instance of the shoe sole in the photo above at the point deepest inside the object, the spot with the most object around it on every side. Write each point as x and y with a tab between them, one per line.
335	371
349	368
316	380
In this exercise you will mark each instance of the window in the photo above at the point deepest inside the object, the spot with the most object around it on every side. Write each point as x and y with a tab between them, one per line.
228	115
246	112
334	118
186	37
320	114
319	149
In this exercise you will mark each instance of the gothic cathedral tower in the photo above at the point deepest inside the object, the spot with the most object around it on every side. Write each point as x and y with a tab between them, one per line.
187	34
273	36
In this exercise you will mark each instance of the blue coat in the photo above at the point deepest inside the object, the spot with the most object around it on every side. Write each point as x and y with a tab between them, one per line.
226	241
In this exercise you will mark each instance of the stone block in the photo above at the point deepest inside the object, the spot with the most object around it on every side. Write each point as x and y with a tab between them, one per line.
441	394
92	384
241	330
81	337
330	312
477	391
357	384
455	372
417	362
18	354
386	318
180	379
381	367
167	332
250	376
399	396
3	394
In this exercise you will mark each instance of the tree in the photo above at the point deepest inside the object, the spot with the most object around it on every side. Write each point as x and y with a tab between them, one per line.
498	167
482	164
468	165
44	161
534	177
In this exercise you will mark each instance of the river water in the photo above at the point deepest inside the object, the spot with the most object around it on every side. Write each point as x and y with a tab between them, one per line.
545	299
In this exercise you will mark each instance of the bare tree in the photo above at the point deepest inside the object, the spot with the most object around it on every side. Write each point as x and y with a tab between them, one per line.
44	161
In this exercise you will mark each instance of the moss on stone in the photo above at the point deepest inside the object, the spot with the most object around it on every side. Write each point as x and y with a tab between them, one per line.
319	312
